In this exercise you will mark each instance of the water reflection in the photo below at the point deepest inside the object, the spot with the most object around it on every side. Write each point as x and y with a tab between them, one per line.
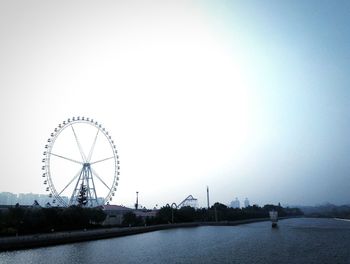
295	241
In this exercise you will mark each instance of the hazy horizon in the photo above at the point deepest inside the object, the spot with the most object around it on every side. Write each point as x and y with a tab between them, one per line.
204	205
248	98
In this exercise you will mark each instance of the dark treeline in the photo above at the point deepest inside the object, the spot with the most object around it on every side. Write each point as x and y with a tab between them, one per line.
20	220
327	210
218	212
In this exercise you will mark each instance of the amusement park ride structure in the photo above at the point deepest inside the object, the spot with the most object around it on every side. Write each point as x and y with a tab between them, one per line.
188	201
88	184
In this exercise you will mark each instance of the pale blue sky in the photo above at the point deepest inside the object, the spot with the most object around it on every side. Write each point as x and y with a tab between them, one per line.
297	54
248	97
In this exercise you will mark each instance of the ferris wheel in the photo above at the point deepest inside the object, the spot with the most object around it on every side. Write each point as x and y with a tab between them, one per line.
80	164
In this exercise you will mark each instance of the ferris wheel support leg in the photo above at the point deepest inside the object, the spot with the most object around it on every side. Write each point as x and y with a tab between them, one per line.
71	201
93	187
70	182
91	190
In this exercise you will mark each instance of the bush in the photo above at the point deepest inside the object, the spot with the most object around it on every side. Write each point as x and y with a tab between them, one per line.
34	220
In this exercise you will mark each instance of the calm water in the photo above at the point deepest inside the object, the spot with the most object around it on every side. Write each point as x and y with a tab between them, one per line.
295	241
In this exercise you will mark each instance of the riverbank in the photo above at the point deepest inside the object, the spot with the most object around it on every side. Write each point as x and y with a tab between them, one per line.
50	239
342	219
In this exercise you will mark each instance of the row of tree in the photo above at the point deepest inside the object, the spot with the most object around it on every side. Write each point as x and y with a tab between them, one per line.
218	212
20	220
327	210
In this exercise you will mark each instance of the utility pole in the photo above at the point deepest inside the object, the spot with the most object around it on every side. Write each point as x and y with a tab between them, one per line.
172	212
137	200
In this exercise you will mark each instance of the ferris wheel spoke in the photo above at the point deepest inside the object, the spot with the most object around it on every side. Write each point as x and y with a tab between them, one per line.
79	146
102	160
76	176
98	177
92	147
62	157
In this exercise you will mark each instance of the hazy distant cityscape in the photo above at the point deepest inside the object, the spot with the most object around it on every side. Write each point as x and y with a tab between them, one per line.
8	198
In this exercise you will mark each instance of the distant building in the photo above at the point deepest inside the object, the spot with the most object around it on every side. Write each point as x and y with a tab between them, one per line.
235	204
246	202
27	198
115	213
7	198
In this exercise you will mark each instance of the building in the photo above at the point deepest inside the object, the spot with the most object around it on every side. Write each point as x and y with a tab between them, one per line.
115	214
7	198
246	202
27	198
235	204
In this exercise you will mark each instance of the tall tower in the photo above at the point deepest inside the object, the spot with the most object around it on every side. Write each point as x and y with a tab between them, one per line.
208	197
137	200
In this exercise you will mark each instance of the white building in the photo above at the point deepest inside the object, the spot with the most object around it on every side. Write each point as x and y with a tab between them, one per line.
7	198
246	202
235	204
27	198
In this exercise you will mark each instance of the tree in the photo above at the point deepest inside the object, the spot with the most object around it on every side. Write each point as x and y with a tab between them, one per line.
96	215
164	215
82	197
131	219
219	206
185	214
15	217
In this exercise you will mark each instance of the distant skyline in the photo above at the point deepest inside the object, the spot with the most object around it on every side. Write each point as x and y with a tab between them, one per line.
248	97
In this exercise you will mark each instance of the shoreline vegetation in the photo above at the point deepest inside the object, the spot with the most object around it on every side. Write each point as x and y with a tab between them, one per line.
26	220
66	237
27	227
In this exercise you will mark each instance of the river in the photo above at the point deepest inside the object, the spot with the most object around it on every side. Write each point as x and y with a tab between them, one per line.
298	240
